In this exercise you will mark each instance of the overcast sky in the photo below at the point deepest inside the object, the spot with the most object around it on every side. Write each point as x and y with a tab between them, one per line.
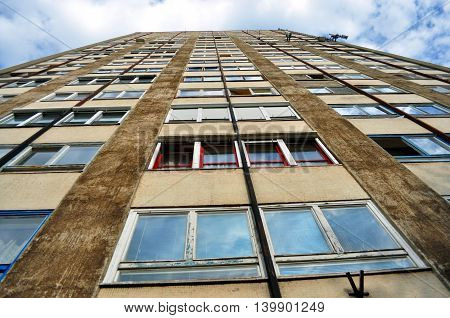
31	29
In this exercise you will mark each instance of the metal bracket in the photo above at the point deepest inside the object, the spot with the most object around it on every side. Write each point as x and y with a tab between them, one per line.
358	293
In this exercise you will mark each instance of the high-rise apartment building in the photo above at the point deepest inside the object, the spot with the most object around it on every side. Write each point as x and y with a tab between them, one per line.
224	164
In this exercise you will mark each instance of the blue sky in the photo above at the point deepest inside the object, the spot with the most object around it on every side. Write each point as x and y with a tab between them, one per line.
36	28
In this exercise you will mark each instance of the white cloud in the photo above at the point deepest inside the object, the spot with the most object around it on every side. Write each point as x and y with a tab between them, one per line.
80	22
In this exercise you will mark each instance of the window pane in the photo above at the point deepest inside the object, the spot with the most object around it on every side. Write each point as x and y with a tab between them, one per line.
295	232
175	155
218	156
215	114
132	94
189	93
184	114
79	96
39	156
358	230
216	272
17	118
15	231
387	90
110	117
108	95
212	79
158	238
79	118
262	91
396	146
372	110
279	112
431	110
306	153
349	111
234	78
264	155
212	92
5	150
45	118
60	96
341	90
223	235
410	110
253	78
319	91
248	113
193	79
344	266
429	145
78	155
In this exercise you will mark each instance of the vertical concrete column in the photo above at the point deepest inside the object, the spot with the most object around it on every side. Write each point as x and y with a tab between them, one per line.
414	208
70	254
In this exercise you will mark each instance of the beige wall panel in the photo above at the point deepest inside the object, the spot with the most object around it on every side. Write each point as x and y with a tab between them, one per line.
226	73
305	184
191	187
77	134
201	74
128	87
257	99
366	82
397	125
428	82
11	136
346	99
401	285
198	101
50	105
14	91
112	102
197	129
244	290
403	98
435	174
19	191
249	84
443	124
78	88
273	127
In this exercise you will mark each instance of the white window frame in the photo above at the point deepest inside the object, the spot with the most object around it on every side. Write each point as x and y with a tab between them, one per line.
94	117
338	253
122	246
121	93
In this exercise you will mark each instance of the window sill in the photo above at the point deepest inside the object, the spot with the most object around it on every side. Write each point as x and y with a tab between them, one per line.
71	168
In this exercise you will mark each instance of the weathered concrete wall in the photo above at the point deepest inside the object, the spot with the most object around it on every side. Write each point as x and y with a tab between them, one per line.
241	290
401	285
405	199
305	184
97	204
191	188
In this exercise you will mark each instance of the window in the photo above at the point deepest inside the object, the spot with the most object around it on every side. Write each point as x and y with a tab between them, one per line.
239	68
91	81
195	155
4	149
413	147
185	245
109	70
351	76
441	89
279	153
19	119
102	117
293	67
331	90
17	228
202	69
213	92
54	156
57	97
145	70
189	79
27	83
314	239
144	79
252	91
363	110
5	97
265	113
120	95
308	77
331	67
198	114
431	109
381	89
240	78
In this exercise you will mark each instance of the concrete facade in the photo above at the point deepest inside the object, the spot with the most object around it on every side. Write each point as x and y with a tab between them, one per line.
251	137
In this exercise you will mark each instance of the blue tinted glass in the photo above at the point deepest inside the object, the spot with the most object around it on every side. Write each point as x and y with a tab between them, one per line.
431	110
344	266
158	238
223	235
358	230
295	232
78	155
429	145
15	231
220	272
39	157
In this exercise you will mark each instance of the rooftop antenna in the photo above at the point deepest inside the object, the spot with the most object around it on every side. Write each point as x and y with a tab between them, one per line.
336	36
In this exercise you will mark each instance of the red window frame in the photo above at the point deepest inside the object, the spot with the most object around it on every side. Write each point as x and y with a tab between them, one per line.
278	150
159	159
235	163
319	149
